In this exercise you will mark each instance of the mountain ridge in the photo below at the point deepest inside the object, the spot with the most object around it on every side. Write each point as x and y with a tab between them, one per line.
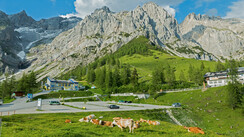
103	32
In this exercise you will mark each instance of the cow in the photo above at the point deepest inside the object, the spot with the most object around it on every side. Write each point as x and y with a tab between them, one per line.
106	123
194	130
124	123
87	118
67	121
95	121
136	124
150	122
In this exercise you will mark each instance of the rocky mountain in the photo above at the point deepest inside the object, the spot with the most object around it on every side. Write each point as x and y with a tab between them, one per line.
198	36
20	32
220	37
105	32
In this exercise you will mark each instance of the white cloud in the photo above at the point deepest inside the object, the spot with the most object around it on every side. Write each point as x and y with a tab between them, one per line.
86	7
53	1
170	10
212	12
236	10
68	15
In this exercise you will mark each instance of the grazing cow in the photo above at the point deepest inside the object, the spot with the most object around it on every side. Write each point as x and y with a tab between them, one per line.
67	121
194	130
106	123
124	123
87	118
150	122
136	124
95	121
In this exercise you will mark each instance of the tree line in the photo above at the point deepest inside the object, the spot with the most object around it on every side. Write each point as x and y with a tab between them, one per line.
26	84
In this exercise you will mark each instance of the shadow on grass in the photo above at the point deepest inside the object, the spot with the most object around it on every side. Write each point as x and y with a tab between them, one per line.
151	131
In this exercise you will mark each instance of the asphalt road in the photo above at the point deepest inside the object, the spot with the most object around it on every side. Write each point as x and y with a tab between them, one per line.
20	106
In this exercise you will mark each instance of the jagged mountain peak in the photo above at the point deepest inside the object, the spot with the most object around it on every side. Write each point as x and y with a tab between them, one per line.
21	19
104	9
201	17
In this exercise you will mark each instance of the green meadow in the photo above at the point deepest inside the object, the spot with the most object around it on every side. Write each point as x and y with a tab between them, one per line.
207	110
53	125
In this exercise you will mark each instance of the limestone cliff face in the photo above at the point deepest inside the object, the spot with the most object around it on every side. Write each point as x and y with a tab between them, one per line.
221	37
105	32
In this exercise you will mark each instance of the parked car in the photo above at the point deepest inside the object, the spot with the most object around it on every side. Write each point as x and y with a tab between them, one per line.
113	107
54	103
121	101
176	105
128	101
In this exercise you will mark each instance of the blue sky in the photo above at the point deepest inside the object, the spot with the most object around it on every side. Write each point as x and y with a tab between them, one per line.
39	9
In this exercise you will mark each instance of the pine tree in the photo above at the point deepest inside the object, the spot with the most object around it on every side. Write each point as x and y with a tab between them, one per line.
190	73
12	85
116	78
91	76
84	71
23	83
170	74
234	97
32	81
158	77
219	67
125	75
182	76
202	67
134	77
109	79
100	77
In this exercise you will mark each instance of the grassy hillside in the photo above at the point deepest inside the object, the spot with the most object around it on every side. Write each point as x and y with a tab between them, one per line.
54	125
146	64
207	110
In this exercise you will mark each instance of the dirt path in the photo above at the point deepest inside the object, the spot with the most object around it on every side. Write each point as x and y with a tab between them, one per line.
169	112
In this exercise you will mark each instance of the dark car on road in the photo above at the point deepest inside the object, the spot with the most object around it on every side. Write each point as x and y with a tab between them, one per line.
128	101
113	107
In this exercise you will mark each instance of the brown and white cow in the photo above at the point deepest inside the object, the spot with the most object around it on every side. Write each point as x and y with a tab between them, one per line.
67	121
95	121
194	130
124	123
106	123
87	118
150	122
136	124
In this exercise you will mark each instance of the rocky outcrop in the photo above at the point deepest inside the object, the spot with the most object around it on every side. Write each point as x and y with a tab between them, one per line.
221	37
9	46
